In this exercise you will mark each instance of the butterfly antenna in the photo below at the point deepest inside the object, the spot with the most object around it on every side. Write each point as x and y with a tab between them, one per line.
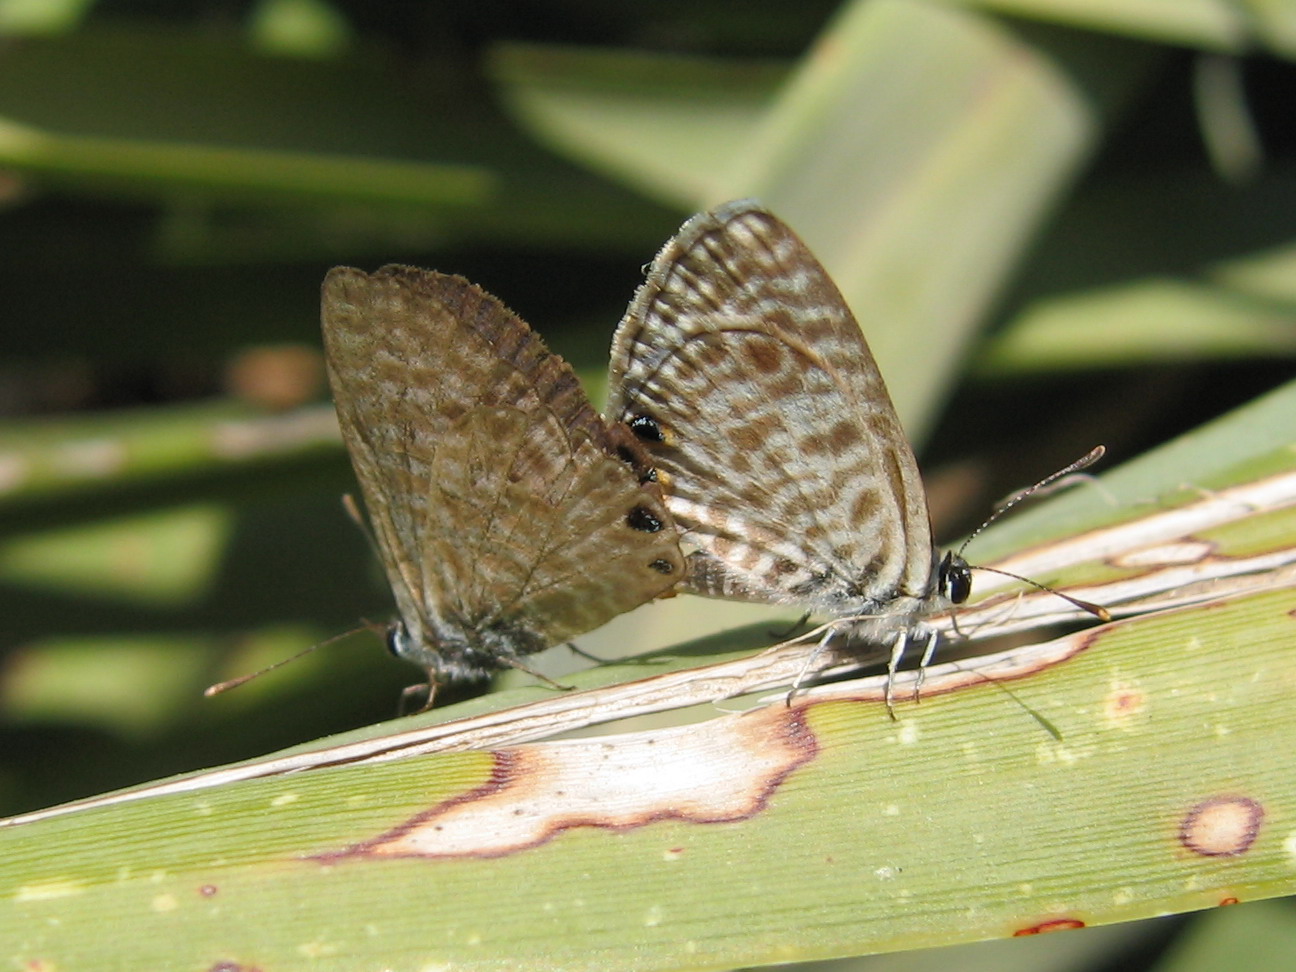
1097	610
232	683
1084	462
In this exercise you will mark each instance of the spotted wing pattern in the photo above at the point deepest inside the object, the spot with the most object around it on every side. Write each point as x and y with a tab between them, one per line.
508	515
744	373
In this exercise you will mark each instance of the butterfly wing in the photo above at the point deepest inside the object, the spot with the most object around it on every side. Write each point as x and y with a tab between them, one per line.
743	371
504	512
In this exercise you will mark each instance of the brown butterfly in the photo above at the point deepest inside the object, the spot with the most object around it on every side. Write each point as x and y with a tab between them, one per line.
509	516
742	370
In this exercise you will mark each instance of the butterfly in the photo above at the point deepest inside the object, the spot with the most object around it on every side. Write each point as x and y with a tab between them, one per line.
508	515
741	369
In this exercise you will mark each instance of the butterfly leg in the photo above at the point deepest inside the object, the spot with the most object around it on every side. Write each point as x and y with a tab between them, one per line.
809	662
929	652
411	692
540	676
893	663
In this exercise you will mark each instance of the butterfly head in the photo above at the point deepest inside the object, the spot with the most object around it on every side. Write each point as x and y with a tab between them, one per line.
440	660
455	650
954	577
398	641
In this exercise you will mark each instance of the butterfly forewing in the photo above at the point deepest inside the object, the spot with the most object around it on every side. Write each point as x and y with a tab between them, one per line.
508	515
502	557
741	368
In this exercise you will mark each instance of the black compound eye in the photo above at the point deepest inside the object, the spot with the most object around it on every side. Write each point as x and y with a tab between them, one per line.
955	578
397	639
646	429
644	519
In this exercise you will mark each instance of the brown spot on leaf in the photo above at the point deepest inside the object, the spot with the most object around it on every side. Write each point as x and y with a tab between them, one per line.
1123	703
713	775
1222	826
208	890
1053	925
1228	901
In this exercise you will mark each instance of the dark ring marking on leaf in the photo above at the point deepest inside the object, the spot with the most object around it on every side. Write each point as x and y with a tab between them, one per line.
1222	826
662	566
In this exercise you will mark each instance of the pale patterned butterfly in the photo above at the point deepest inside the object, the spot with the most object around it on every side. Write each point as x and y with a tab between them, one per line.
508	515
740	367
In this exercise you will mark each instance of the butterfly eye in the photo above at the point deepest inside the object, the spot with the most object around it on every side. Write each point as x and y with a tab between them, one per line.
642	518
955	578
398	639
